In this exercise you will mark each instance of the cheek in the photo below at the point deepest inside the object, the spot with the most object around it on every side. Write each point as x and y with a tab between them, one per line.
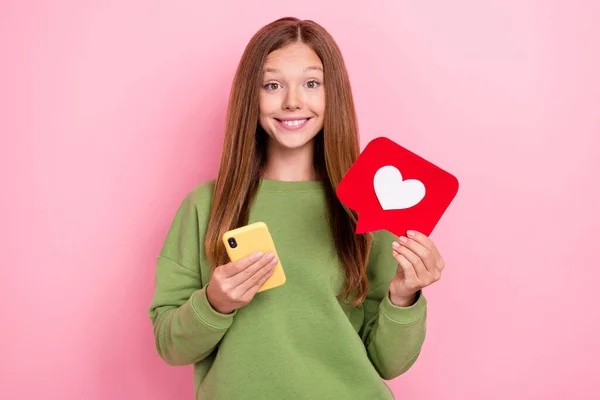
268	105
265	111
321	113
318	104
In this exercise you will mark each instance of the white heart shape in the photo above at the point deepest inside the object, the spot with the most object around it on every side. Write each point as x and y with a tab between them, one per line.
395	194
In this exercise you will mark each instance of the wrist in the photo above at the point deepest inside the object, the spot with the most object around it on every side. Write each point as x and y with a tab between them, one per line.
402	301
214	305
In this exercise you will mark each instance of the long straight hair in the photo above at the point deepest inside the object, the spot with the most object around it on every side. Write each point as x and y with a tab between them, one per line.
244	148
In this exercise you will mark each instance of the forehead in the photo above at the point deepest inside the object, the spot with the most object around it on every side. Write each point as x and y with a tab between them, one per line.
294	57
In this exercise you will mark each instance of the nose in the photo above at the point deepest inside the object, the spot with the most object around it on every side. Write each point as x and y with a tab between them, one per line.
292	100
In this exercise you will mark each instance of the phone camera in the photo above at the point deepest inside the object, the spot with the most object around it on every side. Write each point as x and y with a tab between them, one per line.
232	243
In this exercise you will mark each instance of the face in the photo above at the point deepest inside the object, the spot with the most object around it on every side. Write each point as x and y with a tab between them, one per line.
292	96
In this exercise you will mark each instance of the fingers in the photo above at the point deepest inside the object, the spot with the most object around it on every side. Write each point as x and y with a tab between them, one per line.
229	292
419	255
249	272
420	238
425	241
262	276
250	286
415	261
410	274
423	255
234	268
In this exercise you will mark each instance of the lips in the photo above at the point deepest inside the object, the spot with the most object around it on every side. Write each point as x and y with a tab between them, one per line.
293	124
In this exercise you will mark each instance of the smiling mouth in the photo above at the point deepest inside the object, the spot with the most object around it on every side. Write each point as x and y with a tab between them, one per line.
293	125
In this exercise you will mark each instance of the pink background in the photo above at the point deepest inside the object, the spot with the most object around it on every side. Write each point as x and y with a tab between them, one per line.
110	111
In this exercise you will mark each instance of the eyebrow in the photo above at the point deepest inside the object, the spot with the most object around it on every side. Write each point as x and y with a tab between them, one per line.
311	68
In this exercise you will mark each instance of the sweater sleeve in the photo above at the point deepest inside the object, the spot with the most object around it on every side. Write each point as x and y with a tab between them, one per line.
393	336
186	327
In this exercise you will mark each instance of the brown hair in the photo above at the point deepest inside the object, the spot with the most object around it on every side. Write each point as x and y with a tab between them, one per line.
244	148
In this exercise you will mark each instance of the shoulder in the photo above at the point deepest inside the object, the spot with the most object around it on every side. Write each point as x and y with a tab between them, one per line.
201	194
197	201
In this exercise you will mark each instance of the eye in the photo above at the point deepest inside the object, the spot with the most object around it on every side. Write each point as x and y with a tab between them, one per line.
313	84
271	86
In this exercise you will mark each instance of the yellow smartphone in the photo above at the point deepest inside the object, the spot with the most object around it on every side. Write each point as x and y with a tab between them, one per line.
251	238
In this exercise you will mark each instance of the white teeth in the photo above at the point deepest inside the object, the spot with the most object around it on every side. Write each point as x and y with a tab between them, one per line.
294	123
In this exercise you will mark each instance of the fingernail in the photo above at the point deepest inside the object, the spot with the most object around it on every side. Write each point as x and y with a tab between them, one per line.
258	254
410	233
403	239
270	255
395	245
274	261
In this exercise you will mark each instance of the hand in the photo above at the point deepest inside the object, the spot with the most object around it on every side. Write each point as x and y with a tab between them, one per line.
419	265
234	284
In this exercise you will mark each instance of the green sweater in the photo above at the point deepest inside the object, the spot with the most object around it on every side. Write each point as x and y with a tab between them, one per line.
296	341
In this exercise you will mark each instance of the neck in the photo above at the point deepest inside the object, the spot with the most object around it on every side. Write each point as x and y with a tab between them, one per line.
290	165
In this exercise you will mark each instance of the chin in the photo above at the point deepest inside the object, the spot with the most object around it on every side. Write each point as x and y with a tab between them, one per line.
292	143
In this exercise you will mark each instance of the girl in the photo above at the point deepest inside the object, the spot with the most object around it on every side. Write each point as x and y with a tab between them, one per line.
351	312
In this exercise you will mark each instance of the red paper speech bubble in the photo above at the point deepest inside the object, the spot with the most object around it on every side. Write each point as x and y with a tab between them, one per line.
392	188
